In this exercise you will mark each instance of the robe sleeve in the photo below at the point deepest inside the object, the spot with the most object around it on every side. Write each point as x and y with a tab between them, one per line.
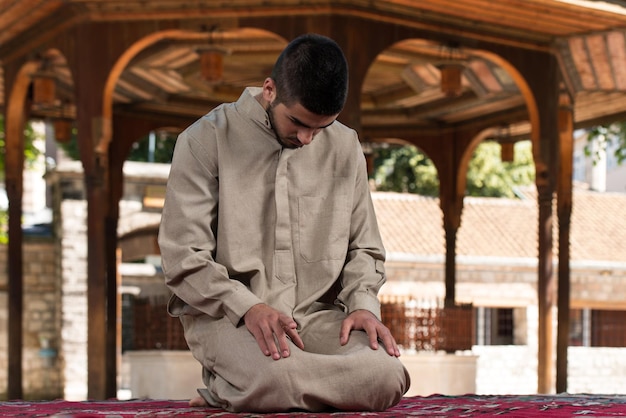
363	273
188	230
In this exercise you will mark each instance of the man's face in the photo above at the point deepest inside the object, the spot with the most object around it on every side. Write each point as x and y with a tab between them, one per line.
295	126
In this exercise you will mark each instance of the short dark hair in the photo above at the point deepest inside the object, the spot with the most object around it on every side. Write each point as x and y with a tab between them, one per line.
313	71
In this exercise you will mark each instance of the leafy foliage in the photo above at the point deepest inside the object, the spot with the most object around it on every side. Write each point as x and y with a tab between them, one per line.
140	150
406	169
489	176
31	153
608	137
163	149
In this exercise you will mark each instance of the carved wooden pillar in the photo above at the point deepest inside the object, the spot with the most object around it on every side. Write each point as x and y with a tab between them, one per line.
544	81
451	205
450	154
545	288
16	84
539	76
564	210
451	223
91	68
97	290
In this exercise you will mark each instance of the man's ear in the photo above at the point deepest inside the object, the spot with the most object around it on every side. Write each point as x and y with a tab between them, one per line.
269	90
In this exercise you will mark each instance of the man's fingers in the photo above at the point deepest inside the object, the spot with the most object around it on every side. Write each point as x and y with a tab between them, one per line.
274	350
289	327
295	338
372	333
281	337
272	330
376	331
267	343
260	340
277	340
264	337
390	343
344	334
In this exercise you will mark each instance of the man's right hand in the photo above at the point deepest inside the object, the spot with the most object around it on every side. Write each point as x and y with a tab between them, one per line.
268	326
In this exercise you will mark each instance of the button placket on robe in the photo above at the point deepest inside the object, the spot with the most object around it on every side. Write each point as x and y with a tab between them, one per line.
284	266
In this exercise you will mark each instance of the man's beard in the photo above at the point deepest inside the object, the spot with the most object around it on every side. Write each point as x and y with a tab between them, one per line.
282	140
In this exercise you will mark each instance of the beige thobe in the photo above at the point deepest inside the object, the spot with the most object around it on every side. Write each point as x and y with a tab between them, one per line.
246	222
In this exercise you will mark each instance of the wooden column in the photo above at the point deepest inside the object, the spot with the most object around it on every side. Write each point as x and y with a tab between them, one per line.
16	85
450	153
451	225
118	152
113	313
544	80
564	210
540	79
97	291
451	202
545	292
91	62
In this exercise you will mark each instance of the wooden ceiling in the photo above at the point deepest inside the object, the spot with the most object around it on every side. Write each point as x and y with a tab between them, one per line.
401	92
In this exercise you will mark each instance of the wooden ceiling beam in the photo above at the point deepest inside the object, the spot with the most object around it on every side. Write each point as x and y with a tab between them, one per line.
398	126
183	110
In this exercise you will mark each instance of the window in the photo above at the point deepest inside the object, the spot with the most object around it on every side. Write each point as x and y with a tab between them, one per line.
495	326
597	328
608	328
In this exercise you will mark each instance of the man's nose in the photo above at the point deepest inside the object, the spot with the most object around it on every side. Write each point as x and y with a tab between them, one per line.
305	136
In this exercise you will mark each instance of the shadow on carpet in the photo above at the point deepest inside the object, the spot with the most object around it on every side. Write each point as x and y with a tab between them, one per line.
563	405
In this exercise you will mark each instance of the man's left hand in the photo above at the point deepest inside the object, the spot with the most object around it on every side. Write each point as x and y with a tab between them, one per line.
362	319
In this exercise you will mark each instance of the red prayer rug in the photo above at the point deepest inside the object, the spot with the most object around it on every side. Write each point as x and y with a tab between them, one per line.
434	406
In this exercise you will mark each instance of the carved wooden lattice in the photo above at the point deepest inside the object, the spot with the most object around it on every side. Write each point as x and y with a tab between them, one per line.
154	329
426	326
415	325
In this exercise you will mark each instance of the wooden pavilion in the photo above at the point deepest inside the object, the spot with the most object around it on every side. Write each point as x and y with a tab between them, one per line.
440	74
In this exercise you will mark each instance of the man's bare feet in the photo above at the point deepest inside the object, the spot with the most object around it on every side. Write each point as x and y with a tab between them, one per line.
198	401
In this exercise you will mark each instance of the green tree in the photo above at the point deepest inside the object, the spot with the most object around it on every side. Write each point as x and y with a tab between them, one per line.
407	170
612	136
31	153
160	151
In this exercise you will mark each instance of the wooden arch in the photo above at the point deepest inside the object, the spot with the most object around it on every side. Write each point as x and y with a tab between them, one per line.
122	63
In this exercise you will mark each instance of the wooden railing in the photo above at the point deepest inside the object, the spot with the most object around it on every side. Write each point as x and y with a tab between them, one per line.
416	325
428	325
154	329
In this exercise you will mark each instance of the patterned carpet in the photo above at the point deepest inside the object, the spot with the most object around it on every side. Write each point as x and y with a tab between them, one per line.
432	406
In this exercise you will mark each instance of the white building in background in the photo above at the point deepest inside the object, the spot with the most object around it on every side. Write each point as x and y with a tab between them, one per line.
602	174
34	205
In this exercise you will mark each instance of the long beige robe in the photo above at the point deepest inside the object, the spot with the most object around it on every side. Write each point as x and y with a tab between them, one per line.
246	221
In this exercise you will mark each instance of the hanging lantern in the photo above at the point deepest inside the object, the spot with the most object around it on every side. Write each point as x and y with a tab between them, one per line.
507	152
44	88
211	64
62	130
451	84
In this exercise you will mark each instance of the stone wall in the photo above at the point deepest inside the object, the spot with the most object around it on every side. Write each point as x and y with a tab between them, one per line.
596	370
496	282
513	370
73	225
42	377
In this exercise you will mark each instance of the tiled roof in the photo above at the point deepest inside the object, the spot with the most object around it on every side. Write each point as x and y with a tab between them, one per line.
598	230
498	227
